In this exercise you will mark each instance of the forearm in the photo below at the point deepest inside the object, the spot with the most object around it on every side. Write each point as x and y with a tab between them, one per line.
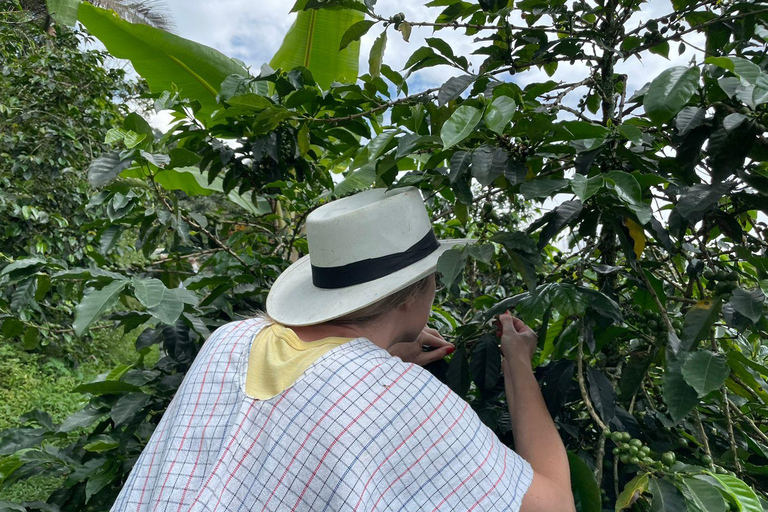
536	438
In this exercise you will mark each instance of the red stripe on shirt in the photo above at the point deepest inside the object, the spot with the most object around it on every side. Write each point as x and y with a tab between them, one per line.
154	453
362	495
490	450
313	429
494	485
328	450
210	417
466	405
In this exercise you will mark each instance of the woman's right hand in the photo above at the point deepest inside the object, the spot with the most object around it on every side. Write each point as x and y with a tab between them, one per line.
518	341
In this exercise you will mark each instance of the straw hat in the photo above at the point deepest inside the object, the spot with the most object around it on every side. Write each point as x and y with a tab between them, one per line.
362	248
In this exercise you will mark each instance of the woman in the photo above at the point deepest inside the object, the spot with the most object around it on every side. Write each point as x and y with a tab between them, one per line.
307	409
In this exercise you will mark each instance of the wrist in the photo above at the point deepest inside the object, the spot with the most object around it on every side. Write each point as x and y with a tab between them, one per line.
516	357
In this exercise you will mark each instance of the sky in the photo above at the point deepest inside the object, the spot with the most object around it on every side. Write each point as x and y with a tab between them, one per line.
253	31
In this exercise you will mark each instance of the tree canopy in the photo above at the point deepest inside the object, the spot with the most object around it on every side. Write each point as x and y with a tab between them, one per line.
627	226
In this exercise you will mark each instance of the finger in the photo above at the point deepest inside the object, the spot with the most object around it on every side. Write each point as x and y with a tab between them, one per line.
520	325
433	332
434	341
507	323
426	358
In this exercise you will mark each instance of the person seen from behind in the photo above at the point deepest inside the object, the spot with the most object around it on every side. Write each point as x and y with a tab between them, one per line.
322	404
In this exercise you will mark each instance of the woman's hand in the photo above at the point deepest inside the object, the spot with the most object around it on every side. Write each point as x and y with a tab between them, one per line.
413	351
518	341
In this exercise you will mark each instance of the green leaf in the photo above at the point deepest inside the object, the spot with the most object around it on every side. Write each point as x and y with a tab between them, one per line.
666	497
106	387
166	61
23	294
194	183
698	321
63	11
579	130
632	492
689	118
586	187
460	125
631	132
376	56
602	393
628	189
313	41
488	164
748	303
705	371
95	303
453	88
162	303
670	92
485	364
81	419
499	114
541	188
703	496
355	32
106	168
586	492
678	395
451	264
457	375
128	406
699	199
737	492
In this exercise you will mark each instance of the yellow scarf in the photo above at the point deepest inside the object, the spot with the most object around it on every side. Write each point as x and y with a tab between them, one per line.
278	358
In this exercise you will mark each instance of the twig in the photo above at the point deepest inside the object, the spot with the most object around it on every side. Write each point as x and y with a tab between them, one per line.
599	460
704	439
195	224
383	106
749	422
731	436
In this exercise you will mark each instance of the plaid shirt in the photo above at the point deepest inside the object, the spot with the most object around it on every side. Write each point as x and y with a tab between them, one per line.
360	430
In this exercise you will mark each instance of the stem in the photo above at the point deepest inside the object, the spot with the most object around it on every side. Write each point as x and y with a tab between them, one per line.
704	439
731	436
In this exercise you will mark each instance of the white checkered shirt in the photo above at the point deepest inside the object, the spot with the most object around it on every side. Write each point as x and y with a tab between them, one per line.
360	430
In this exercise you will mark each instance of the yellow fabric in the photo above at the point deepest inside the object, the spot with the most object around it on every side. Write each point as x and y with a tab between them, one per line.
278	358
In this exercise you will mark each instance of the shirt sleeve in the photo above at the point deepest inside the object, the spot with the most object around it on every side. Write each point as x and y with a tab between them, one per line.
443	456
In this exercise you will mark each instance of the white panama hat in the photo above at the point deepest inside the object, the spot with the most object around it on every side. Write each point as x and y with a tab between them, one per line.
362	248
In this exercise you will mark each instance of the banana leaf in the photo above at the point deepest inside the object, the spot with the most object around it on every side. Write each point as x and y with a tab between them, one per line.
63	11
166	61
313	42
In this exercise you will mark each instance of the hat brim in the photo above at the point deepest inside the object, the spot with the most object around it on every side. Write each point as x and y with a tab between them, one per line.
293	300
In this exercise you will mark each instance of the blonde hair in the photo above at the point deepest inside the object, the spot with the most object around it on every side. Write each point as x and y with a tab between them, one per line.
380	308
376	310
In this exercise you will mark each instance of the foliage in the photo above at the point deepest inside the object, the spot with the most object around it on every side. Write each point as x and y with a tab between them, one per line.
645	278
56	105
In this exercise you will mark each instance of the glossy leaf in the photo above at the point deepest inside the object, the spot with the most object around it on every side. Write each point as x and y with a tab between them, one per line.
586	492
698	321
95	303
460	125
679	396
485	364
666	497
670	92
499	114
632	492
705	371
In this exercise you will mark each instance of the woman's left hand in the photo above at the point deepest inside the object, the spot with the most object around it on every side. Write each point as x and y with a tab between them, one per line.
413	352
